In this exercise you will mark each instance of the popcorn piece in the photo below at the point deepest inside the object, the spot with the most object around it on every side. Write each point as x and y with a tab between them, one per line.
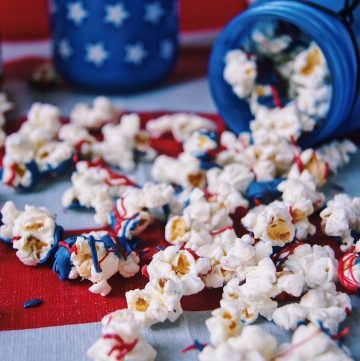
181	125
322	304
200	143
78	138
252	344
33	231
95	186
150	307
341	215
310	342
316	263
43	123
93	256
180	267
336	154
54	157
102	111
267	40
240	72
121	339
185	171
271	223
132	215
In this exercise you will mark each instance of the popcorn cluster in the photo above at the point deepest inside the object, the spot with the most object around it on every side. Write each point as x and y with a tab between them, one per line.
283	76
33	152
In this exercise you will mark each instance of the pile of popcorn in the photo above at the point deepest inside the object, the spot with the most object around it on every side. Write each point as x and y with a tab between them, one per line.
283	76
261	181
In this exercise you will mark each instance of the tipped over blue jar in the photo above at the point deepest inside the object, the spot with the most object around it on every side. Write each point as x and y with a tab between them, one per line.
340	46
109	45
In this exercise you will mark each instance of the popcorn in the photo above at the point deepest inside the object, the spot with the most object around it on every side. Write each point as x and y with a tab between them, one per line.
310	342
302	198
178	266
93	256
185	171
317	264
271	223
101	112
78	138
132	215
336	154
33	232
252	344
240	72
322	304
181	125
267	40
341	215
121	339
95	186
121	141
150	306
200	143
224	324
349	269
42	125
238	176
54	157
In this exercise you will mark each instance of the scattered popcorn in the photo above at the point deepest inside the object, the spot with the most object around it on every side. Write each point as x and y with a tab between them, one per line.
340	217
181	125
33	232
94	117
121	340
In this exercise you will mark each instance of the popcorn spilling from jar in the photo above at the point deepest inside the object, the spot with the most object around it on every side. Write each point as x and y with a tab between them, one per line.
284	78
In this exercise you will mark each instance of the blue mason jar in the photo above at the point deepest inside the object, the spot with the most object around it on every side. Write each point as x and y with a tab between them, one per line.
114	45
336	33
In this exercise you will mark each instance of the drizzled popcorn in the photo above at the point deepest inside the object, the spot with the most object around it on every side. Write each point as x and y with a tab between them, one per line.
33	151
96	115
340	217
252	344
311	342
94	256
95	186
123	142
322	304
33	232
180	125
121	340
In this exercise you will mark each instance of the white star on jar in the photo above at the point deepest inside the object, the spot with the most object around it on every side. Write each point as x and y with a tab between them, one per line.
166	49
116	14
135	53
153	12
96	54
76	12
64	48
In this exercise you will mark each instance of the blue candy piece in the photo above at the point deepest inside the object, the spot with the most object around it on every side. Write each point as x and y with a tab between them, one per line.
264	191
33	303
5	240
58	233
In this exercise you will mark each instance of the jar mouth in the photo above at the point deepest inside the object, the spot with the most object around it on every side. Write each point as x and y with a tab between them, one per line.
332	38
